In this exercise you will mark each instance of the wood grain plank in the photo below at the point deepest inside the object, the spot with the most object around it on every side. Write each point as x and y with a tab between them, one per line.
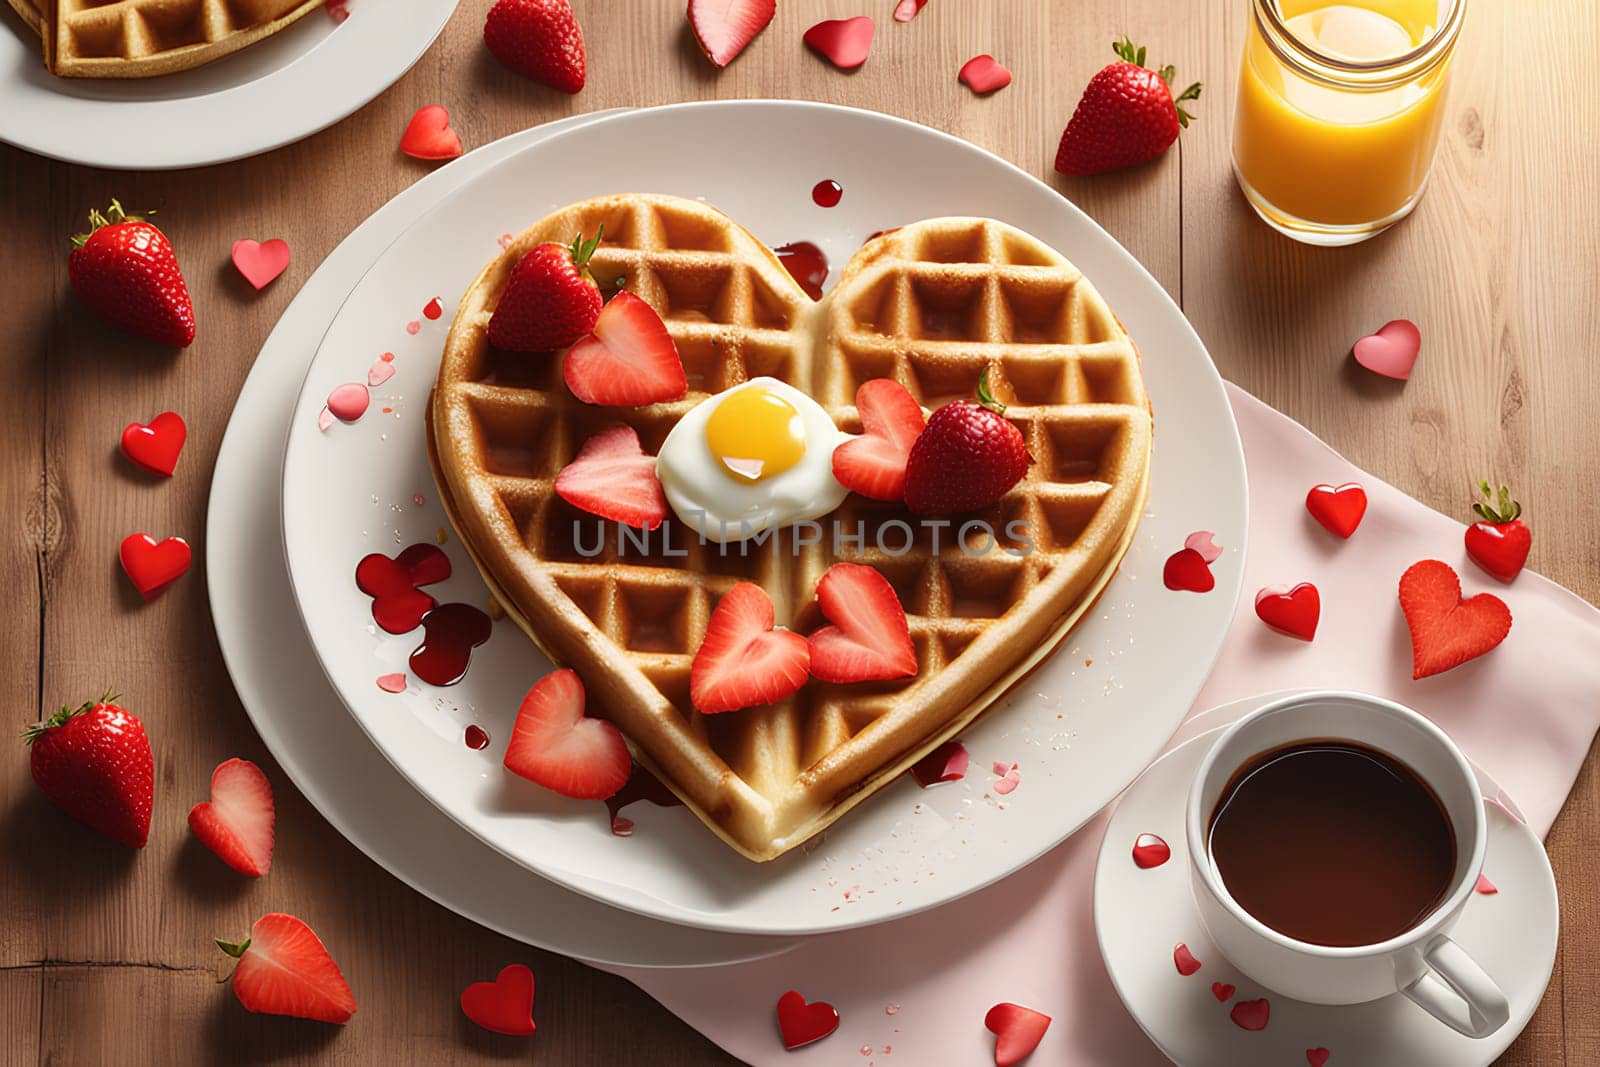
20	1000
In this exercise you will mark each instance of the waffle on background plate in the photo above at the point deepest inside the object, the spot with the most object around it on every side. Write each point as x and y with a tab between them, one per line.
932	305
146	38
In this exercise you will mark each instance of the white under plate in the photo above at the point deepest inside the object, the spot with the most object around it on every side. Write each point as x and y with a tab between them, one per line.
298	716
1081	728
296	82
1141	915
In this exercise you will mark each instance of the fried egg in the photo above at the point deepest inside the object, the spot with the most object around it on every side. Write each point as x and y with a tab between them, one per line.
751	458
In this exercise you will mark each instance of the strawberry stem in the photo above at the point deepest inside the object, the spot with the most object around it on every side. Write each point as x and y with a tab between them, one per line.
32	733
1128	52
582	249
1503	510
986	396
113	216
1191	93
236	949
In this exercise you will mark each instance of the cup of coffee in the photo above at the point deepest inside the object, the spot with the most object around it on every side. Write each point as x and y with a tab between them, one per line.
1334	839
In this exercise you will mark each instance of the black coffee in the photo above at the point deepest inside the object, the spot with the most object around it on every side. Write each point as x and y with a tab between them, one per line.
1333	843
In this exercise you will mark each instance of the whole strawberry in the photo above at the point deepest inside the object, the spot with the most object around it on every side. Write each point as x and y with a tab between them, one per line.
540	39
1127	116
1500	542
124	269
94	763
551	301
966	458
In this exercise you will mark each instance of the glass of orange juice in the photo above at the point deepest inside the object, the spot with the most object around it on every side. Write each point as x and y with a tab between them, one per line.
1338	113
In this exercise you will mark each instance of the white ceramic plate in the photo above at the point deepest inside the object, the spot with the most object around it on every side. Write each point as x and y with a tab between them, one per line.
300	718
1140	915
289	86
1081	728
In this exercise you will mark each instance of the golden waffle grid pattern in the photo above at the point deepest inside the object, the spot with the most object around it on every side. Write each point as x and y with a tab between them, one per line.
931	305
139	38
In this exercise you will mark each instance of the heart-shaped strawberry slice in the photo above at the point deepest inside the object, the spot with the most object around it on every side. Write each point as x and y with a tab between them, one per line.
503	1006
947	763
237	822
874	464
398	603
801	1023
742	660
1251	1014
1339	508
842	42
1017	1032
156	447
1392	351
260	262
1447	630
429	136
153	565
906	10
724	27
1187	571
1292	611
869	639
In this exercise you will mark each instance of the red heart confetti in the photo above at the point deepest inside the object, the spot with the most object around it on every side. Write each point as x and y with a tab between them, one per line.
153	565
1339	508
449	634
1392	351
1316	1057
842	42
380	371
801	1023
392	683
1292	611
1186	571
1017	1032
349	401
503	1006
1484	886
1222	991
982	74
260	263
947	763
475	737
156	447
1010	778
398	603
1184	960
1251	1014
1150	851
906	10
1447	629
429	136
338	10
413	327
1204	542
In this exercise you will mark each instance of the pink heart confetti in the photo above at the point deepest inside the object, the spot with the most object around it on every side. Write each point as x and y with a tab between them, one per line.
947	763
1316	1057
380	372
842	42
906	10
1251	1014
621	826
260	262
1392	351
349	401
1201	541
1010	778
392	683
1484	886
338	10
1150	851
506	239
413	327
1506	805
982	74
324	419
1222	991
1184	960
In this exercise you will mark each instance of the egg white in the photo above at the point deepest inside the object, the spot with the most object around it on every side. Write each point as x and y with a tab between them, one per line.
722	507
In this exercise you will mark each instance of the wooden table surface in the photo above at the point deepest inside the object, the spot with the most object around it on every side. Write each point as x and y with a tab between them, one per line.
101	946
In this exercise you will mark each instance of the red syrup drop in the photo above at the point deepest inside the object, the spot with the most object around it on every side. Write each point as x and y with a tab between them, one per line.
827	193
476	737
433	309
641	785
398	605
1150	851
806	264
449	634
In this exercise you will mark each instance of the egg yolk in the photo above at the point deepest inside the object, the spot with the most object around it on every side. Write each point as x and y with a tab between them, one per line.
755	433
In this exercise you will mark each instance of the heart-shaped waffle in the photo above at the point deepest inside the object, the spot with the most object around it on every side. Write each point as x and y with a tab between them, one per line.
931	305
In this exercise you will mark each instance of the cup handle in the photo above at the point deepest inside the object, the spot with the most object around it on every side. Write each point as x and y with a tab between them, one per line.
1457	992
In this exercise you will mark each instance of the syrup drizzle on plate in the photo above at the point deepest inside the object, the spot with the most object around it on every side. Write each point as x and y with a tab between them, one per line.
806	264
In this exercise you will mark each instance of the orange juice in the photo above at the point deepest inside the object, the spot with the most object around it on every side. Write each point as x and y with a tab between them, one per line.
1339	110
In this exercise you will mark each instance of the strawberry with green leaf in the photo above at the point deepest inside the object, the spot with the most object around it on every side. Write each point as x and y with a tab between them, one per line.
94	762
125	271
1127	116
1500	541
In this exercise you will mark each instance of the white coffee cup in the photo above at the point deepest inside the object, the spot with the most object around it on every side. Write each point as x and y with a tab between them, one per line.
1423	963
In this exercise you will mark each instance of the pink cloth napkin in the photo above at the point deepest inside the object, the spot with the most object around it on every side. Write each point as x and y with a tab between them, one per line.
1526	712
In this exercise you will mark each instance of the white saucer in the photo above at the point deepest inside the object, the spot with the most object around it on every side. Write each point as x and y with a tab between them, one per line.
1142	915
301	720
1081	727
294	83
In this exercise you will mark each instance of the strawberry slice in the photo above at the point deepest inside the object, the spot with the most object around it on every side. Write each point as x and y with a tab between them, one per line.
555	745
629	360
874	464
284	969
612	477
725	27
236	823
869	640
743	661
